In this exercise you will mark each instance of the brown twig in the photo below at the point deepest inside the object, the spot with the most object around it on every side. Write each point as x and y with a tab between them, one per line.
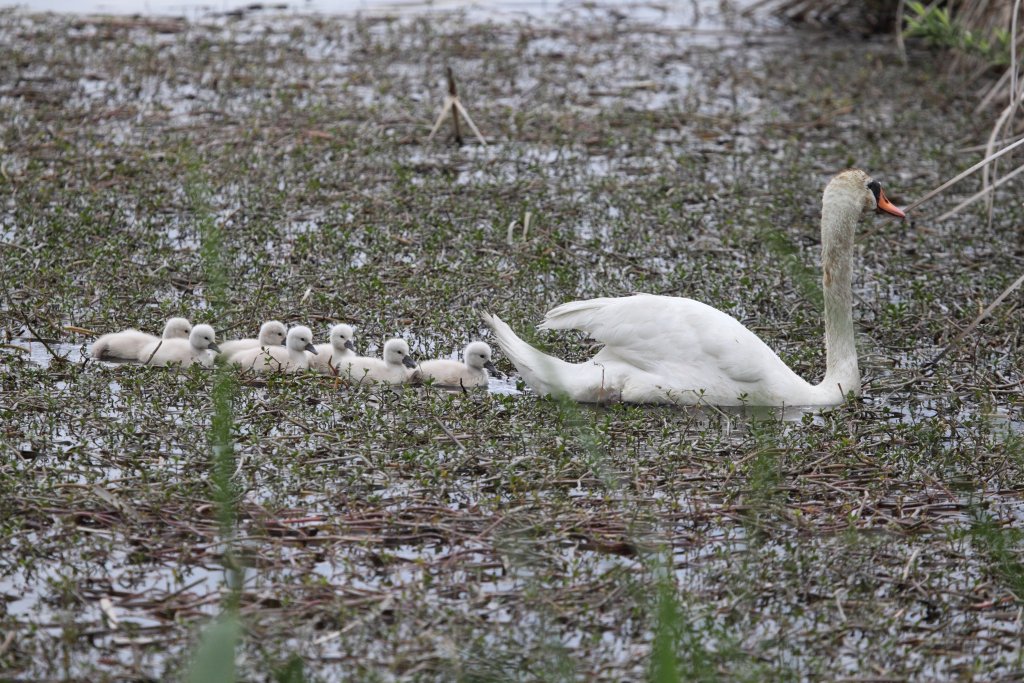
453	93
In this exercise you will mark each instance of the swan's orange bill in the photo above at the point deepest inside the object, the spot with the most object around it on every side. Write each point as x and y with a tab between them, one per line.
884	205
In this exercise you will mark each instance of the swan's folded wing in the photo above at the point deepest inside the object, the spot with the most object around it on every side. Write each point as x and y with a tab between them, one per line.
669	336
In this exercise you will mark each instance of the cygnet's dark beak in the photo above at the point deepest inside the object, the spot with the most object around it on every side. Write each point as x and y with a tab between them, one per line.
408	362
491	369
349	345
311	349
213	347
885	206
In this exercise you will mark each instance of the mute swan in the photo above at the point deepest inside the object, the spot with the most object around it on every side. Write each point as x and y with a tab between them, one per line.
272	333
660	349
472	372
330	355
200	347
127	343
396	368
288	358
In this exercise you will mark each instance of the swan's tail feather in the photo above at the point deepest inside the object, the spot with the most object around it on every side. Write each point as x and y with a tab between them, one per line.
528	360
124	345
99	347
546	374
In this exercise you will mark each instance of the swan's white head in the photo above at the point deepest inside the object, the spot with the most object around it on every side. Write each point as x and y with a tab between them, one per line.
203	337
396	352
855	188
273	333
300	338
341	337
477	355
177	328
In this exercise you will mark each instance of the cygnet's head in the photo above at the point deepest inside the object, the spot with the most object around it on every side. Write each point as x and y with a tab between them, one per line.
203	338
341	337
396	352
301	339
273	333
177	328
477	355
855	188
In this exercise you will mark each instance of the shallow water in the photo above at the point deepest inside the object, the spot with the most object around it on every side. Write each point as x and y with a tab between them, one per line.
699	14
39	354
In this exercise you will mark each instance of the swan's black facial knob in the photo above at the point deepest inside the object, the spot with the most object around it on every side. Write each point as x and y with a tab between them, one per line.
876	189
882	203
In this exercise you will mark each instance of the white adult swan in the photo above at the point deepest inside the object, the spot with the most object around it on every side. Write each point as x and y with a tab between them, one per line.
288	358
330	355
272	333
472	372
200	347
660	349
396	368
126	344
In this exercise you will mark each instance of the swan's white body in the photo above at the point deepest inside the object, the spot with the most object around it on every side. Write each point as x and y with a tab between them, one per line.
660	349
339	349
200	347
291	357
127	344
272	333
471	372
397	367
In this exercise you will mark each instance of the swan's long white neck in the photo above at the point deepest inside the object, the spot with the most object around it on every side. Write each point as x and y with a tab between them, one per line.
840	212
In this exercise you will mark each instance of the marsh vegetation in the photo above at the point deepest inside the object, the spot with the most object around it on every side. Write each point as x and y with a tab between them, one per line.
241	169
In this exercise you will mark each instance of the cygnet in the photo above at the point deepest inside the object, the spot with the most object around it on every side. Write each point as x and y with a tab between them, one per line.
288	358
127	344
272	333
396	368
329	356
200	347
472	372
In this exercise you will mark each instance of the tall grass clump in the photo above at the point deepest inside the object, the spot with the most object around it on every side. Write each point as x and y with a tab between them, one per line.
983	37
678	652
935	26
214	660
211	238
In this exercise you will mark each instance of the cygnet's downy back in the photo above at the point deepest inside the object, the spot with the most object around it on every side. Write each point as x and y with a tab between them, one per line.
292	357
272	333
200	347
126	344
472	372
339	349
397	367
